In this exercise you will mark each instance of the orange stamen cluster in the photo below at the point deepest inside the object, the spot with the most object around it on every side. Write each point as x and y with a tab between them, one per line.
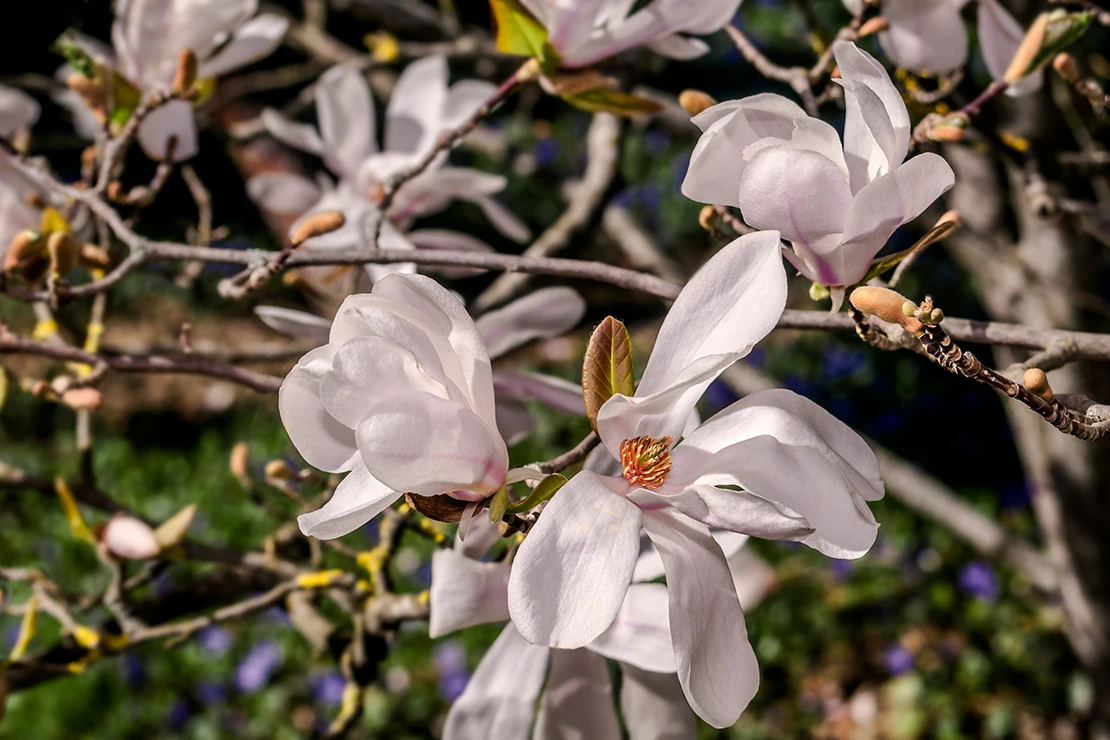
646	462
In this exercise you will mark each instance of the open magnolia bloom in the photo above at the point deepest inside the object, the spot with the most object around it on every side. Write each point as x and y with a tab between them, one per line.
401	399
796	473
18	111
836	204
500	699
149	35
421	108
586	31
929	36
545	313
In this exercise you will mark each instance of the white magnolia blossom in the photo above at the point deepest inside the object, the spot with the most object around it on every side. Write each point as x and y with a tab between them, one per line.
545	313
837	204
587	31
421	107
22	205
147	38
500	698
804	476
930	36
18	111
400	399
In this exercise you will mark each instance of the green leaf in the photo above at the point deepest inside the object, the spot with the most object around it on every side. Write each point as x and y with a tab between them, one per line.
498	504
519	33
81	62
881	265
607	367
604	100
1063	30
544	490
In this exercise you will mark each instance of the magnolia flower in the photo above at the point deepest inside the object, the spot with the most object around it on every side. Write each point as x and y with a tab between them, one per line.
421	107
836	204
586	31
25	207
546	313
930	36
804	476
149	35
401	399
18	111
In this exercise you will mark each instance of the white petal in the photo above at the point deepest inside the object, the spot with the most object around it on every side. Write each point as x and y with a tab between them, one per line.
877	126
577	701
1000	35
716	664
174	120
653	706
352	234
466	592
357	499
641	633
18	110
297	135
924	36
743	511
649	566
293	323
463	99
514	421
346	113
500	698
751	575
818	136
254	40
545	313
571	573
503	219
130	538
322	441
677	46
283	193
414	117
557	393
428	445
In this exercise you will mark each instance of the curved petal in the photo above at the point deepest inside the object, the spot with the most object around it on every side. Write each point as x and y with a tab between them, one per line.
466	592
571	573
924	36
751	575
254	40
357	499
283	192
577	701
414	116
742	511
480	536
323	442
641	633
653	706
677	46
545	313
500	698
816	135
504	220
877	125
428	445
649	566
297	135
346	113
293	323
18	110
172	121
716	664
514	421
1000	35
557	393
463	99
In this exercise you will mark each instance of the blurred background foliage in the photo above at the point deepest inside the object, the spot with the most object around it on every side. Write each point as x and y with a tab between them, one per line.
922	638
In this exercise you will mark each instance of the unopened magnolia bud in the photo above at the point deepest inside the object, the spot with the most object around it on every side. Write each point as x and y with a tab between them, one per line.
695	101
948	217
1028	50
945	133
93	256
888	305
115	190
83	399
24	247
89	155
909	308
1065	66
239	460
63	251
936	316
186	72
279	469
129	538
92	92
1036	382
835	74
318	224
707	218
173	530
877	24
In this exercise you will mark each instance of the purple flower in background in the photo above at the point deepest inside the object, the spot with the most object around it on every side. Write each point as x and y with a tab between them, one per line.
214	639
898	660
329	688
449	657
256	669
179	714
452	685
211	692
547	151
132	670
978	580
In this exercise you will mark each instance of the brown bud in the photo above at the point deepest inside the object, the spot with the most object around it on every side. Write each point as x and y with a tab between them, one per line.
93	256
1065	66
83	398
35	200
948	217
115	190
945	133
707	218
878	24
63	251
279	469
25	247
1036	382
89	155
442	508
835	75
318	224
695	101
186	75
239	462
886	304
92	92
1028	50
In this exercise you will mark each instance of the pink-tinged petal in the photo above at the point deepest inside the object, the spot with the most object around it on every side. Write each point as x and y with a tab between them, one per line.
500	698
346	113
463	99
654	707
283	193
924	36
557	393
882	206
1000	35
503	219
742	511
514	421
130	538
18	110
466	592
717	162
877	125
577	701
253	41
816	135
571	573
357	499
641	633
542	314
172	121
323	442
293	323
677	46
428	445
436	189
414	116
297	135
751	575
480	536
716	664
798	192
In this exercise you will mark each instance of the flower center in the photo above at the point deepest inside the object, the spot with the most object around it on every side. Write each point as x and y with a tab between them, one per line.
646	462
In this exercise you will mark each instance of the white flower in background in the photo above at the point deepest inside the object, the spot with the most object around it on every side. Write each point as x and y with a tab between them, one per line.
805	476
543	314
930	36
421	107
586	31
25	207
500	699
837	204
401	399
147	38
18	111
